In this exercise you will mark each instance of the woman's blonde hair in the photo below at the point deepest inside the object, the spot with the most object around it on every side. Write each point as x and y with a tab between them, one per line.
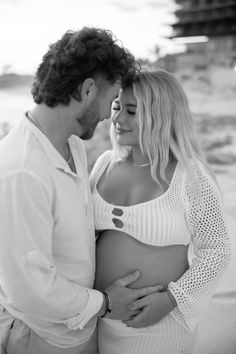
166	126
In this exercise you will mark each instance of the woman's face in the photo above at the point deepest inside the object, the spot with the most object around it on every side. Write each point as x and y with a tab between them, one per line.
124	118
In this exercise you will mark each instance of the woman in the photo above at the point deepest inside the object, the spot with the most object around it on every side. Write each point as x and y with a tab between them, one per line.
158	207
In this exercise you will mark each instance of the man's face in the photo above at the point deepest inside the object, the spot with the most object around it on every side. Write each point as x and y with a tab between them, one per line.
99	109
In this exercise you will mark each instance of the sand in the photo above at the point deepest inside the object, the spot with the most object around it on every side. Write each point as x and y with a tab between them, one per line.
217	329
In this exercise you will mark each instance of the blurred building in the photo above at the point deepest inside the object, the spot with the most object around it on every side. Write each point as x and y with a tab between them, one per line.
208	29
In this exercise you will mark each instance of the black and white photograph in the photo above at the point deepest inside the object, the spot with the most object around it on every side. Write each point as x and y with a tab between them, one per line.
117	177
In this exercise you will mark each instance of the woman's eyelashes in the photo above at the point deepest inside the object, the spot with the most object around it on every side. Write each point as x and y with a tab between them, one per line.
131	112
117	108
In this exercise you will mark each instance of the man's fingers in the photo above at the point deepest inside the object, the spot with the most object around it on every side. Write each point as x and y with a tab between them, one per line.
147	291
129	279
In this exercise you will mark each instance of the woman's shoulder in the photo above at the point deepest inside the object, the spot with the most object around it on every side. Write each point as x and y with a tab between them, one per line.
99	166
203	173
104	158
197	170
200	182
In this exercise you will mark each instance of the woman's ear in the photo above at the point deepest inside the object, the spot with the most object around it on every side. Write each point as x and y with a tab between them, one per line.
88	90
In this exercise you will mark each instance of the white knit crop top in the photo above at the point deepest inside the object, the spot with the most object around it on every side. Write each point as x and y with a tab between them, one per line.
158	222
179	216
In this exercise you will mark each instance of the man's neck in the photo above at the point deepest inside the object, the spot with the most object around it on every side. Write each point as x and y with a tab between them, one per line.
52	123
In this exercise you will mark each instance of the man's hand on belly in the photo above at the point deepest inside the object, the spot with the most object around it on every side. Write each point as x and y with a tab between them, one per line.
150	310
121	296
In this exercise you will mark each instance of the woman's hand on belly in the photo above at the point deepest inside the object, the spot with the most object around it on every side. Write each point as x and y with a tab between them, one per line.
121	296
150	310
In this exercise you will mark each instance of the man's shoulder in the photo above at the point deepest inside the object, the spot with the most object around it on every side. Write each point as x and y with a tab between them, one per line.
20	151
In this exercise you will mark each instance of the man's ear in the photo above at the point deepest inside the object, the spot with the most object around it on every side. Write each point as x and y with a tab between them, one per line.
88	90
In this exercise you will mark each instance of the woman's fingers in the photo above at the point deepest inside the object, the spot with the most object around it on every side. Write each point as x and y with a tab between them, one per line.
133	314
139	321
129	279
147	291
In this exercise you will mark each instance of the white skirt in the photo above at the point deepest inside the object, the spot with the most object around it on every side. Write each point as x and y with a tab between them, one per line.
166	337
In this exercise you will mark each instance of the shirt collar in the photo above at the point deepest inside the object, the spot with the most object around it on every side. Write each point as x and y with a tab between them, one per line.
54	156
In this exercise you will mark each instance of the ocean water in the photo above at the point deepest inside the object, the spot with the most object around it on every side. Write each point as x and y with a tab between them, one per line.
15	101
13	104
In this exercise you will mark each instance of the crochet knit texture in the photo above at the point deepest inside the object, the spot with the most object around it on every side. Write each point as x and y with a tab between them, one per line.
188	213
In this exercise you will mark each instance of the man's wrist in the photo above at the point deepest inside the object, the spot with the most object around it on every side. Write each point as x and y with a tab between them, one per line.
108	304
105	309
102	309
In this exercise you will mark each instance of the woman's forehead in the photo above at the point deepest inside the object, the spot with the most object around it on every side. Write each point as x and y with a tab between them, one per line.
127	94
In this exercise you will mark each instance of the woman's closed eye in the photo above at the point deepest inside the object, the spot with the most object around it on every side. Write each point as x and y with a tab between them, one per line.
117	107
131	112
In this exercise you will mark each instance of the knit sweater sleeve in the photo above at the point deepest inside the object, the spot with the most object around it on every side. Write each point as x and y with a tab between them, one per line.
204	216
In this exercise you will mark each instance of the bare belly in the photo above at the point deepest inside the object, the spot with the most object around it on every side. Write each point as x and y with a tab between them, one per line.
118	254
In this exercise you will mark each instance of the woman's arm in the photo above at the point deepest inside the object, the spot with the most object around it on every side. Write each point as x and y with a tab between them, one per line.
204	215
190	294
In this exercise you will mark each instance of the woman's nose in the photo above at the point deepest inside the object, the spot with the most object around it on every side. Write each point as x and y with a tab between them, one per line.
114	118
118	117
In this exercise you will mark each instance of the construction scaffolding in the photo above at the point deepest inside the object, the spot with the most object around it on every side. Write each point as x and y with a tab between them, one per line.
210	18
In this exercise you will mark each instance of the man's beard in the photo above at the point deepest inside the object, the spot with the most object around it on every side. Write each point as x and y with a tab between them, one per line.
89	121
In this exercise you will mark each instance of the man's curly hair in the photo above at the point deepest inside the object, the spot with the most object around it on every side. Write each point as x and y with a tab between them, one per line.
76	56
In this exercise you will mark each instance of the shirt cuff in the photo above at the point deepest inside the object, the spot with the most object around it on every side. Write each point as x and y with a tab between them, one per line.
94	304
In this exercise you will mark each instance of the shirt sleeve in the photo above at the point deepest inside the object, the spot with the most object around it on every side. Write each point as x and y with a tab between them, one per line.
29	280
204	215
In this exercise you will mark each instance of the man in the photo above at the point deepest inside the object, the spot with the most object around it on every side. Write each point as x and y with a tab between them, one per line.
47	243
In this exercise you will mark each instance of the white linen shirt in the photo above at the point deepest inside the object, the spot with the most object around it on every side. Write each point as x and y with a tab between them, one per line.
47	241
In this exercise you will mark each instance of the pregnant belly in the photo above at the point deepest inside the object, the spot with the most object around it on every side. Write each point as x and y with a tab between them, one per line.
118	254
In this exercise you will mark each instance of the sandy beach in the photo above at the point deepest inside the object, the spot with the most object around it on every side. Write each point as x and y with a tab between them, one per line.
217	329
212	100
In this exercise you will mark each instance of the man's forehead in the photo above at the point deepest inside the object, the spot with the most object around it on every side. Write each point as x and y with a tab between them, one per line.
117	85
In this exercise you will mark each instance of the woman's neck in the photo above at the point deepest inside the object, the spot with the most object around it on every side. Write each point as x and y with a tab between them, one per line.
138	158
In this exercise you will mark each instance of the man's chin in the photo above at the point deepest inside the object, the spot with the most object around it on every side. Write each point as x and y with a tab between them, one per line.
88	135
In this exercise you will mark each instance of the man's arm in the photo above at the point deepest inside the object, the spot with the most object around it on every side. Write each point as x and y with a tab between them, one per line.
29	277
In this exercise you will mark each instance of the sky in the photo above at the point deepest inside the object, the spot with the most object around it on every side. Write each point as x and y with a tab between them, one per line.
27	27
